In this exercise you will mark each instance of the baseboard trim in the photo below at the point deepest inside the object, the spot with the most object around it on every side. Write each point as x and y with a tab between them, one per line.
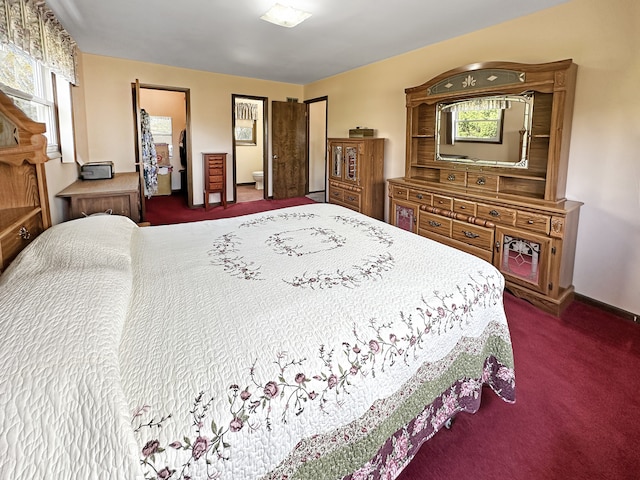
635	318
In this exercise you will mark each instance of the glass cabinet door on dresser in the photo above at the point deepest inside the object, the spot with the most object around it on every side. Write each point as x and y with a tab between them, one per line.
523	258
404	215
344	162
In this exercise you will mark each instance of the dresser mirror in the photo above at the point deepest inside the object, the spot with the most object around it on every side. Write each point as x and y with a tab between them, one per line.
490	130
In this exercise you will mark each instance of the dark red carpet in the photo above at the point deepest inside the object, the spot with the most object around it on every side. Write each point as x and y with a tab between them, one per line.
577	411
164	210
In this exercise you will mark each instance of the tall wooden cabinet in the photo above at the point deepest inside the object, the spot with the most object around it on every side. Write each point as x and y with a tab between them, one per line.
356	174
215	178
507	208
24	201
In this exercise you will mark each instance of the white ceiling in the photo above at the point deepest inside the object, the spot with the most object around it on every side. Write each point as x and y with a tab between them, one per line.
227	36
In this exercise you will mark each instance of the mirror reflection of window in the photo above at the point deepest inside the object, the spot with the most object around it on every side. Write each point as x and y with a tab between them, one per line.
478	125
485	130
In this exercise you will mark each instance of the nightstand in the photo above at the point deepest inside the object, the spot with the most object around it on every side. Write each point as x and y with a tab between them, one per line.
119	195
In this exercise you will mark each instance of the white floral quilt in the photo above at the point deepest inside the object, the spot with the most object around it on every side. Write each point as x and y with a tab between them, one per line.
310	342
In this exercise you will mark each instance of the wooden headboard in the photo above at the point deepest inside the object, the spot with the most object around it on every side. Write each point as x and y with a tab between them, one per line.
24	201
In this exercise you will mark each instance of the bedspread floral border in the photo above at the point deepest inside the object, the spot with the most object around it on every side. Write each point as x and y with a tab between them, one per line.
369	351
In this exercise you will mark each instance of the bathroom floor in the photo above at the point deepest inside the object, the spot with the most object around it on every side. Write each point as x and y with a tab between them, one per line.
248	193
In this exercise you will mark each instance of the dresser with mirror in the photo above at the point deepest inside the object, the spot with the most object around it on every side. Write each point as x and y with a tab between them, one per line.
486	168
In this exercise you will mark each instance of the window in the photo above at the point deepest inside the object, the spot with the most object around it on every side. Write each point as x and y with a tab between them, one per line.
41	95
478	125
245	132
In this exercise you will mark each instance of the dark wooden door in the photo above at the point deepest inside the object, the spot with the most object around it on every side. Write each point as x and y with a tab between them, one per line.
289	145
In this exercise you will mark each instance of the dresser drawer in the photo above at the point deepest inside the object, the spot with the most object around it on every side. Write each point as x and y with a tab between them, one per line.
443	202
506	216
214	182
435	223
464	207
14	240
534	221
472	234
336	194
352	199
401	193
481	181
419	196
453	177
112	204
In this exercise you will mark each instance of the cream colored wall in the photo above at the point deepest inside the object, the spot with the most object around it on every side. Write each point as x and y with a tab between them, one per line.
603	38
60	175
106	85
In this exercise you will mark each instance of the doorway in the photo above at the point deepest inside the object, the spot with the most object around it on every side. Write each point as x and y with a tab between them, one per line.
250	165
168	112
317	140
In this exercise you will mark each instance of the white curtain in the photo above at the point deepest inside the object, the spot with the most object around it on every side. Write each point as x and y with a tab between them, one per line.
246	111
480	104
33	28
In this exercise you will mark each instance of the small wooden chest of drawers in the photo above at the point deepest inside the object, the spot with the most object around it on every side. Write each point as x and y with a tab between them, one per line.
215	178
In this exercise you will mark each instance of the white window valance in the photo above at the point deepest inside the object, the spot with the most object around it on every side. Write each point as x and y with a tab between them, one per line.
480	104
246	111
33	28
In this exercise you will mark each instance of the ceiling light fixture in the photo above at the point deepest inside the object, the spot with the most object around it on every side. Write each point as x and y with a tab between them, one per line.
285	16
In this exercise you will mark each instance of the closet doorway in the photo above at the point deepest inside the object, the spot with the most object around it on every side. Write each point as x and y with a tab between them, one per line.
250	162
168	111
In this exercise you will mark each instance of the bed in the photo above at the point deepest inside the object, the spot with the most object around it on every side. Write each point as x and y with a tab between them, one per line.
310	342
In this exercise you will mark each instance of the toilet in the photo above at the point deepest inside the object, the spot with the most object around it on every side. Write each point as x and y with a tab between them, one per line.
259	178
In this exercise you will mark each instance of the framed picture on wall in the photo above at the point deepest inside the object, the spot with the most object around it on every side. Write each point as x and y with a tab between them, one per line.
246	134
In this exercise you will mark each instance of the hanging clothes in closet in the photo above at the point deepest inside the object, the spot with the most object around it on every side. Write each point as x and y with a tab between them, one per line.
149	156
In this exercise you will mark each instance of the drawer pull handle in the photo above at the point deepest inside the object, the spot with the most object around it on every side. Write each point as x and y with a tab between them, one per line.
469	234
335	194
481	181
451	177
530	222
462	207
433	223
351	199
419	196
24	233
494	213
